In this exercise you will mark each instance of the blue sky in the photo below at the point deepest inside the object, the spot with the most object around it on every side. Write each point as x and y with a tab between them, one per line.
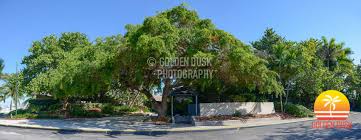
22	22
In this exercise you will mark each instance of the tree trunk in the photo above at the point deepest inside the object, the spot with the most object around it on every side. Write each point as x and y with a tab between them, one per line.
161	107
102	96
16	106
287	92
280	78
286	100
65	107
11	104
281	103
134	99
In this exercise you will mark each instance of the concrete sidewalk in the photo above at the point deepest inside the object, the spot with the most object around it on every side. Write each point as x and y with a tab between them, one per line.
105	125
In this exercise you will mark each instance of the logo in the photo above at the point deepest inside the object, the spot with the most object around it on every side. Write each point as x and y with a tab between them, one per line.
182	67
332	110
331	105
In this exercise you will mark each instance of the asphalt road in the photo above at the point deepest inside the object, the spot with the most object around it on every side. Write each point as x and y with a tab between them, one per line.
290	131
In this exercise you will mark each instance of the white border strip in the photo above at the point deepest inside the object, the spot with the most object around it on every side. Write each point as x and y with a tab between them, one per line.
324	116
332	111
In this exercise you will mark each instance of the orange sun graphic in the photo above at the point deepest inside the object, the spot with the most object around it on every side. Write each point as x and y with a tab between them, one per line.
332	105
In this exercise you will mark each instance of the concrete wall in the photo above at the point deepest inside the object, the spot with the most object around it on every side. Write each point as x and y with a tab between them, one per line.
211	109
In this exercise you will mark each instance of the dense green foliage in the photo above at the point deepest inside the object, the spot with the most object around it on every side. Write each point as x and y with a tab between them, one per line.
2	97
80	111
69	65
51	109
1	66
308	67
12	89
117	110
180	32
43	105
298	110
295	110
72	69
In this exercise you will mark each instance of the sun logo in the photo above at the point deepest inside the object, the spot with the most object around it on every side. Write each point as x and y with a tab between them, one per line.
331	105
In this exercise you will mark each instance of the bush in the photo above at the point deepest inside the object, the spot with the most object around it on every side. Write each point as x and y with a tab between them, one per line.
277	106
238	98
49	115
237	114
55	107
38	105
19	111
29	114
108	109
43	102
89	106
298	110
144	109
125	109
25	116
51	109
80	111
22	114
117	110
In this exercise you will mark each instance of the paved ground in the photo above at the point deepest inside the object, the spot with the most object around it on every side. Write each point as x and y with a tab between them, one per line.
134	123
116	123
290	131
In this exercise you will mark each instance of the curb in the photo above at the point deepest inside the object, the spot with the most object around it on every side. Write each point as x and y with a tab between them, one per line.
150	132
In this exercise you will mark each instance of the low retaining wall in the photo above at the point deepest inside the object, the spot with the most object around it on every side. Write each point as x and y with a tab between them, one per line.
212	109
233	122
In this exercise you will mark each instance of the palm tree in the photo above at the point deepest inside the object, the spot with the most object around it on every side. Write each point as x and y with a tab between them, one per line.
2	75
284	63
334	54
331	102
10	90
1	67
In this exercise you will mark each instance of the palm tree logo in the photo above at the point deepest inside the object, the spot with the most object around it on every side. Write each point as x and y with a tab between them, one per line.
331	102
332	105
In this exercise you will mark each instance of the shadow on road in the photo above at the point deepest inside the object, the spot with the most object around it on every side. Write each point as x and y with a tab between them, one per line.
143	133
305	132
68	132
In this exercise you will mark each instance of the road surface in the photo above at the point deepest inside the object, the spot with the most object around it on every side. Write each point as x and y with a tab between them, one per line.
301	130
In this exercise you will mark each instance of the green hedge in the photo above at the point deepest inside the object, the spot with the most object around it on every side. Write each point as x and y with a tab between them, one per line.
22	114
19	111
277	106
298	110
25	116
117	110
47	108
81	111
39	105
294	109
88	106
43	102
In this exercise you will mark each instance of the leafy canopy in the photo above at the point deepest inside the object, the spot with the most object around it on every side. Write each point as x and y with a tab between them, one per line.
180	32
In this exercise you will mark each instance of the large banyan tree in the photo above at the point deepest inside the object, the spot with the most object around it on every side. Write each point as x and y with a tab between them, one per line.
180	32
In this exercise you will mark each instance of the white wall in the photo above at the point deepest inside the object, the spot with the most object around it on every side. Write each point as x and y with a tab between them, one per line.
5	106
211	109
